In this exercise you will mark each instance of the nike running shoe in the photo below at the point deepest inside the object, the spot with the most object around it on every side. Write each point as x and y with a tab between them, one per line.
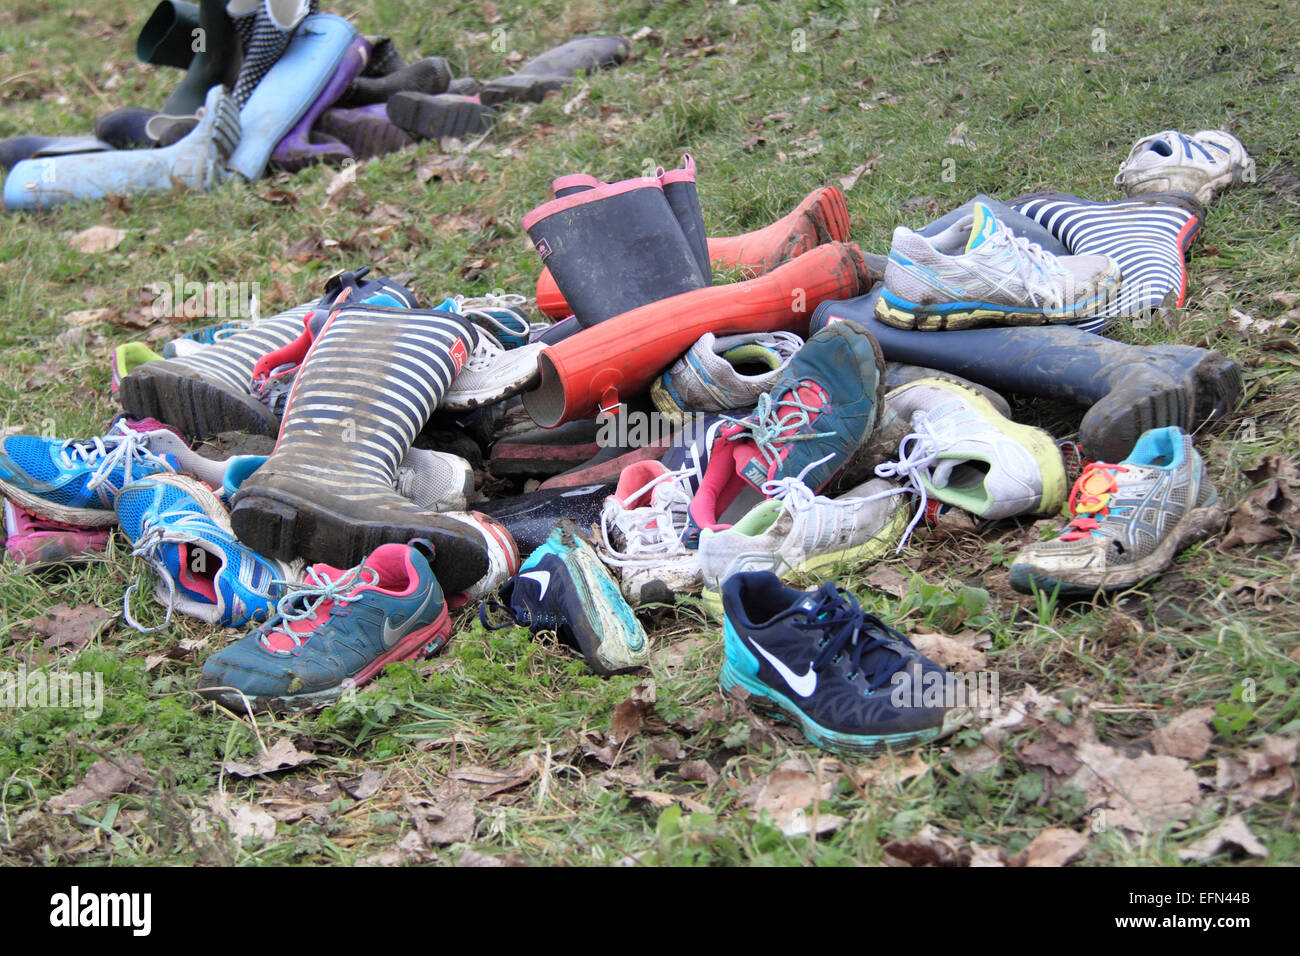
182	530
334	631
1200	164
32	540
1130	520
75	482
722	374
964	453
641	527
825	405
795	530
844	677
998	279
564	588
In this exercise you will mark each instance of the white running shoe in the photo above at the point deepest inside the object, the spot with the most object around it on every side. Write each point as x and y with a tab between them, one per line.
641	528
1200	164
1000	278
492	374
435	480
715	375
796	530
964	453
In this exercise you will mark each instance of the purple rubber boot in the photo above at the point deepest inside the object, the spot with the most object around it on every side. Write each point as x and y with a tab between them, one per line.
366	130
296	151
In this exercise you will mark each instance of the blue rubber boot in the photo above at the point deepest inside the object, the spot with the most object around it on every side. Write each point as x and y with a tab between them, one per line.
196	161
289	89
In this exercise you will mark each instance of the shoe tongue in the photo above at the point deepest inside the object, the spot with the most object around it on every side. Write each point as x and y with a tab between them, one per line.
983	227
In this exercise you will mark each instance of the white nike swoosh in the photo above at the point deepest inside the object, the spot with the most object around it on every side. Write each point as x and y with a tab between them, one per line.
394	634
804	685
541	577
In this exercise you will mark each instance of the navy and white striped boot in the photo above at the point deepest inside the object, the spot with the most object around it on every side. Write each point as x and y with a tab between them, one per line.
208	392
1147	235
367	387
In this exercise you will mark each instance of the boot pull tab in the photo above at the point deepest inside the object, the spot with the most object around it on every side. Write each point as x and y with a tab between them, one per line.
609	403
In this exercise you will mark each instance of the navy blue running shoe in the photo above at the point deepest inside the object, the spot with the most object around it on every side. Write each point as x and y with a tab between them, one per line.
851	683
564	587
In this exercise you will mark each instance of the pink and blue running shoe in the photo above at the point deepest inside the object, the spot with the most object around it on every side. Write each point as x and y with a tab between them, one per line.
334	632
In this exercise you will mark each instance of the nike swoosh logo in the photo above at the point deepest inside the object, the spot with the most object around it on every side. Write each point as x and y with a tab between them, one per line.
394	634
804	685
541	577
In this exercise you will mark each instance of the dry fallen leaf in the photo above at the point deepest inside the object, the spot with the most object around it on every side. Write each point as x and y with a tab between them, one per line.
97	239
987	855
83	317
71	628
358	788
1055	846
281	755
449	821
928	847
788	791
888	580
1142	793
630	715
104	779
949	654
1230	832
1188	735
343	180
891	771
849	180
243	821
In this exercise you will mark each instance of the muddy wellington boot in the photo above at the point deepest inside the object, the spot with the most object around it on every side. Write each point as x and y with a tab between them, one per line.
614	247
198	38
555	68
821	217
126	128
430	75
366	388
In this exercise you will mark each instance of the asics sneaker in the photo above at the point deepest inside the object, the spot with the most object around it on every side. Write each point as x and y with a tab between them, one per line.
32	540
199	339
564	588
641	527
1200	164
182	530
998	279
334	631
826	404
795	530
501	313
963	452
844	677
1130	520
722	374
493	373
75	482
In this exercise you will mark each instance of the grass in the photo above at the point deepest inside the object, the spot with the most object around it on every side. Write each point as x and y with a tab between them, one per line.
773	99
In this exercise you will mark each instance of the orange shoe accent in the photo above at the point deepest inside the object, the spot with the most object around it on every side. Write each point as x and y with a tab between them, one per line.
622	355
822	217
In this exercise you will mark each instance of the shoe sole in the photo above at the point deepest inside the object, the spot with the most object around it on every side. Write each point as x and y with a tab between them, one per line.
192	404
368	137
833	561
911	316
424	642
592	581
1040	445
437	116
43	508
764	697
286	527
522	88
1197	525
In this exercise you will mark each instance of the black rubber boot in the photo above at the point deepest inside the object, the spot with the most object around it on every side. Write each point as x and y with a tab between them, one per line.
530	519
174	31
679	190
384	58
1128	388
124	128
17	148
366	388
434	116
430	75
614	247
556	67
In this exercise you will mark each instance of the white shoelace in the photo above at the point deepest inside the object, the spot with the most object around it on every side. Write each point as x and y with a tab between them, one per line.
651	532
120	447
1037	268
481	309
917	453
312	592
170	527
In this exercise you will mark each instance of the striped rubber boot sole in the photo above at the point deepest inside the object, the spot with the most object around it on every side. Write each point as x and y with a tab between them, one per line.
367	387
1148	236
208	392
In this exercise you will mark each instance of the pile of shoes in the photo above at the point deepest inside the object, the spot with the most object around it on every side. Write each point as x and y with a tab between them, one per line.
693	438
273	84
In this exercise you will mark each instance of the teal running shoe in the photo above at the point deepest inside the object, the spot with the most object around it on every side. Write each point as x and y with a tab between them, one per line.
182	530
563	587
334	632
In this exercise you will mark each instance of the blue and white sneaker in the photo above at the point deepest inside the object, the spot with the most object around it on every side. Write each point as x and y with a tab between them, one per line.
500	313
998	279
1200	164
564	587
852	684
76	482
183	531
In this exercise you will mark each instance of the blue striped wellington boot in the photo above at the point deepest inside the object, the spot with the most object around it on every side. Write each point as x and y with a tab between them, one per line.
372	378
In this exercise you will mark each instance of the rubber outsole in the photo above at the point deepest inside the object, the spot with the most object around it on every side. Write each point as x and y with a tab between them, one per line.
193	404
367	136
521	87
436	116
285	527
